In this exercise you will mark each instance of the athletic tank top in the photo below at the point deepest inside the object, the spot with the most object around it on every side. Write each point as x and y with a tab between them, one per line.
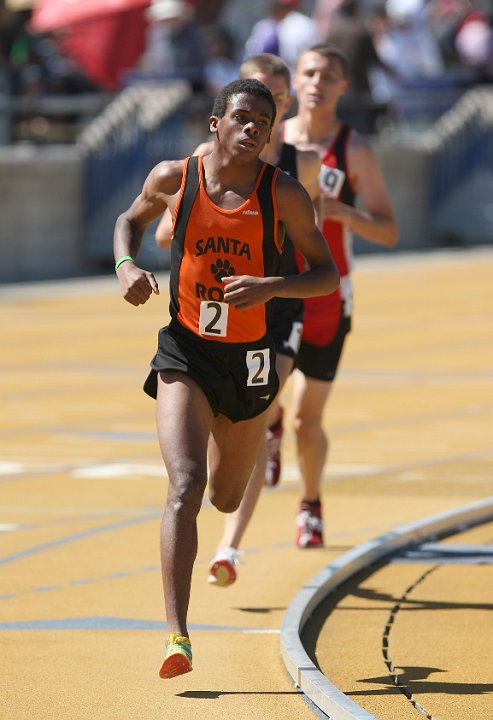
209	243
323	314
334	179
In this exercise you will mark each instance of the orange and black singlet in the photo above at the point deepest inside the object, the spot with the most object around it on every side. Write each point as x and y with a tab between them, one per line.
209	243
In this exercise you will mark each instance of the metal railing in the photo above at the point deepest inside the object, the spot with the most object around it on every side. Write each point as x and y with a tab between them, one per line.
141	127
63	116
461	142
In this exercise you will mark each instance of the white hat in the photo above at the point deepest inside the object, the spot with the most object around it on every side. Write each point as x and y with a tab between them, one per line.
401	10
166	9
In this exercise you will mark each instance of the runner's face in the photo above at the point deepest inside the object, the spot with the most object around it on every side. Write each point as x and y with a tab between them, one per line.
280	92
319	81
246	126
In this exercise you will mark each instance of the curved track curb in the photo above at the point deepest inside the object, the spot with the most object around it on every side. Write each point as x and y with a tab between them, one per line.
304	672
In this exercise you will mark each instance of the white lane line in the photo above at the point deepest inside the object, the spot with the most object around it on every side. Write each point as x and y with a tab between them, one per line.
9	527
117	470
11	468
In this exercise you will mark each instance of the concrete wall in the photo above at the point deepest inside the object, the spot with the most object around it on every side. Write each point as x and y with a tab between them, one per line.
40	210
41	206
407	176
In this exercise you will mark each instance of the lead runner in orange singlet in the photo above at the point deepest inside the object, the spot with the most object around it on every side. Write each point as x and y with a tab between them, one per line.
213	374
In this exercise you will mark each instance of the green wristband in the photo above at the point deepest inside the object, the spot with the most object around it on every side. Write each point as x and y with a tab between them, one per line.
122	260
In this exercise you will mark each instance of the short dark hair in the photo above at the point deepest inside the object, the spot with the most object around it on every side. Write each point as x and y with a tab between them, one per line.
328	50
245	86
268	64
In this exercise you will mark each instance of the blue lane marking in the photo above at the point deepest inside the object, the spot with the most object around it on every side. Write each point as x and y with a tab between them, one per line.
78	536
121	574
105	434
447	554
116	623
85	581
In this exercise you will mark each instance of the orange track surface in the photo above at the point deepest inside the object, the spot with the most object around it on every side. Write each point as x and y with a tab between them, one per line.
81	621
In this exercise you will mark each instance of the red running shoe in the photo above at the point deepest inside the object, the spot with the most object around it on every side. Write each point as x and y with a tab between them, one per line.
274	437
222	570
309	526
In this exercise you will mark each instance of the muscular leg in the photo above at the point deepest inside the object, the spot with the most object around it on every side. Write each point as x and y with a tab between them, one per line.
184	421
309	398
236	522
233	449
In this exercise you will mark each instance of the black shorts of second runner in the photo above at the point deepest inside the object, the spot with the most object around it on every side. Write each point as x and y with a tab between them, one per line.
286	325
320	362
238	379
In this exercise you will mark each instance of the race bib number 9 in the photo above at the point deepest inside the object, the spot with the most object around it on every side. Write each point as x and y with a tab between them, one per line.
213	319
331	180
258	364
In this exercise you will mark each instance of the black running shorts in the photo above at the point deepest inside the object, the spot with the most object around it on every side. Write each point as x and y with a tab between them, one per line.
320	362
286	325
238	379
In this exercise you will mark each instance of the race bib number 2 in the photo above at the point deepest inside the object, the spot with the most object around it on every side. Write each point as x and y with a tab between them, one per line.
258	364
213	319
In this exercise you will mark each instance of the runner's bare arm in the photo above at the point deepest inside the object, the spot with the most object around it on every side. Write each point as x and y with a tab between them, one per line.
376	222
160	187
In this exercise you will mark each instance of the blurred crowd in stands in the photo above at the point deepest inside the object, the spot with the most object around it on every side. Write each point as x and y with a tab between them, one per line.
395	48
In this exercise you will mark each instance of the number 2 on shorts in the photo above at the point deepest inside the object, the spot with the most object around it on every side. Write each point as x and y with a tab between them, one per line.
258	364
213	318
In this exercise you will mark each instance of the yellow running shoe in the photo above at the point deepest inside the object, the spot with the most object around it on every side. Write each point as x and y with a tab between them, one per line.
178	658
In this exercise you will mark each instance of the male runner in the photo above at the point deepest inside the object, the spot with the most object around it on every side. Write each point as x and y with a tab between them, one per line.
349	169
285	320
214	371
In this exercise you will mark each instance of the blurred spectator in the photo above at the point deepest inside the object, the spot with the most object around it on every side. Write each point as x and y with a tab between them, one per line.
7	36
222	66
175	44
323	14
350	33
407	44
444	17
32	68
474	41
35	62
285	32
409	36
208	12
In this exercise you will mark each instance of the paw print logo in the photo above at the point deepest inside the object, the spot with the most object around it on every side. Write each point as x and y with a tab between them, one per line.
221	269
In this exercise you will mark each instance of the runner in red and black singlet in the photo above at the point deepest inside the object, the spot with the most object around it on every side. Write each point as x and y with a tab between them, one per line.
349	168
323	315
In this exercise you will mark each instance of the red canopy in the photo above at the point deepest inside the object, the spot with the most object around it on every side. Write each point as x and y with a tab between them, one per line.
50	15
104	37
